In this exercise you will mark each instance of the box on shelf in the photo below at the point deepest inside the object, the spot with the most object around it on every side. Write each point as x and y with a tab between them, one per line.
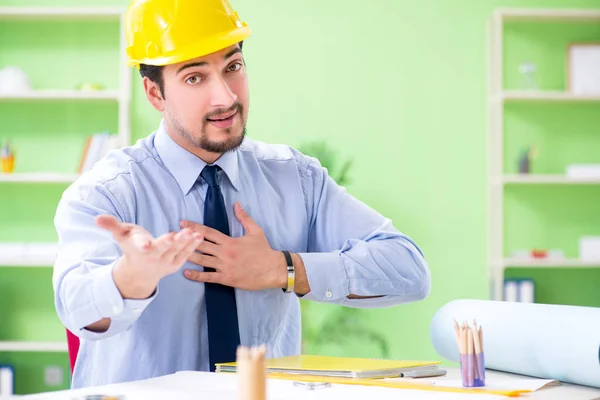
589	248
583	171
519	290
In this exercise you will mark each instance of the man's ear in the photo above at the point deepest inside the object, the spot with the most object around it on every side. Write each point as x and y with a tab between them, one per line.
153	94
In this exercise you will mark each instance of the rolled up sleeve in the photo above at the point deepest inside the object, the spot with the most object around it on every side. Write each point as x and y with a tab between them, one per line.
84	288
355	250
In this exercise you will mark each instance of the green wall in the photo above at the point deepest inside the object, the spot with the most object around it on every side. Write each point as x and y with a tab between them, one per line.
399	86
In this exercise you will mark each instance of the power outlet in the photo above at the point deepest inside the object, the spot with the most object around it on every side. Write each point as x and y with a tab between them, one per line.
53	376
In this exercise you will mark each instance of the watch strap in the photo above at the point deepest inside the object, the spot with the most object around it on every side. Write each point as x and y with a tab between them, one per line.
291	273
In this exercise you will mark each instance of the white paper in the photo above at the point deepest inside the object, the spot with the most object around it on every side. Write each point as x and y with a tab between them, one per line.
512	384
539	340
211	386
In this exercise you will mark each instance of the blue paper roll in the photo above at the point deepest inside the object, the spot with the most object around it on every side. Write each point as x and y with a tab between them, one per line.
540	340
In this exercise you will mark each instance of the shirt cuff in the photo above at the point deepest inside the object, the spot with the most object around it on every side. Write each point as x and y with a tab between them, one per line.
108	299
326	277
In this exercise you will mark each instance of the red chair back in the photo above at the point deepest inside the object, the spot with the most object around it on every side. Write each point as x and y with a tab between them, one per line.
73	346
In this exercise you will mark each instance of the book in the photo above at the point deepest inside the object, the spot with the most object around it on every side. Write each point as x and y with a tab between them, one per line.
7	380
344	367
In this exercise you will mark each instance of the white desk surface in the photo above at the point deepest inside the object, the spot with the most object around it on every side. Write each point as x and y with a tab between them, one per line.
208	386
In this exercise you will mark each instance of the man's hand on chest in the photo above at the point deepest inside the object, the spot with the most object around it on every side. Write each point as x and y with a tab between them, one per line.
247	262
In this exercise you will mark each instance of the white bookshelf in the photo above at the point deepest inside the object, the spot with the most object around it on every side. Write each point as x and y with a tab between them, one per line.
540	263
546	96
81	13
62	13
16	254
550	179
99	95
32	255
498	98
29	261
545	15
37	177
33	346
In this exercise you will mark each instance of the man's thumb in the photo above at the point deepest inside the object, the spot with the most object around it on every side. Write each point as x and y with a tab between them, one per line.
111	224
242	216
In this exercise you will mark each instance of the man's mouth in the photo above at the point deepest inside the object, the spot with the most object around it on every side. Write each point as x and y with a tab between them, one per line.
223	117
224	120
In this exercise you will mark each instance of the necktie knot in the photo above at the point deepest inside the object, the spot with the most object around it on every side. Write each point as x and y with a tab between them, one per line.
209	174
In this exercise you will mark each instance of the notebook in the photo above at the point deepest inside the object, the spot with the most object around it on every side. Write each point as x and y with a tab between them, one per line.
344	367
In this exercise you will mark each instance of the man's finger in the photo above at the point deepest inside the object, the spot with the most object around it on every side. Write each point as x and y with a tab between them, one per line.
201	276
247	222
207	233
209	248
184	254
181	239
164	243
113	225
204	260
141	241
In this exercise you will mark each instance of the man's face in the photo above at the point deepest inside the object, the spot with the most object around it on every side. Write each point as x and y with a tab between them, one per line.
206	100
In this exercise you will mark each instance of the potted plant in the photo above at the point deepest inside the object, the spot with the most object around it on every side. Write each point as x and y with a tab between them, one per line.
338	328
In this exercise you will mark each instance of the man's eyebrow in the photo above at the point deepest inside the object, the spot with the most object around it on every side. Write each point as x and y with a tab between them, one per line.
204	63
190	65
232	52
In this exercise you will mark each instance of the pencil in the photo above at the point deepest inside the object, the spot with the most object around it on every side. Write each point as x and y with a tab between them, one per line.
470	357
477	348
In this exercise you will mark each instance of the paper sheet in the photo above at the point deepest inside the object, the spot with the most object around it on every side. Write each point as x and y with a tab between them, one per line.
210	386
539	340
505	384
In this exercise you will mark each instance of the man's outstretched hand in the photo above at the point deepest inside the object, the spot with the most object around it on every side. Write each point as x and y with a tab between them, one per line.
147	259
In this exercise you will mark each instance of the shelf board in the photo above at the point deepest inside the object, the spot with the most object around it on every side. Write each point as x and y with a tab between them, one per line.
30	262
61	13
540	263
110	95
539	179
33	346
37	177
34	254
547	96
548	15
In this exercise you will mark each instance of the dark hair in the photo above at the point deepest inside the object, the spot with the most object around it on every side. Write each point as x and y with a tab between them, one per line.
155	74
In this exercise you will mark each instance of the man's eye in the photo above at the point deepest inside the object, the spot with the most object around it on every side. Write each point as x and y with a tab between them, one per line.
193	80
235	67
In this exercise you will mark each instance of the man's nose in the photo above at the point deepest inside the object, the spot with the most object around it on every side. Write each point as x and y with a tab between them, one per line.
221	94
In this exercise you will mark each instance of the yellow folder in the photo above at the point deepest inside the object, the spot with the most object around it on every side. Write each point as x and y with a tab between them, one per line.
343	367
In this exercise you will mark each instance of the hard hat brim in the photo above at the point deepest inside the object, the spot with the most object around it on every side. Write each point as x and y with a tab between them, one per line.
198	49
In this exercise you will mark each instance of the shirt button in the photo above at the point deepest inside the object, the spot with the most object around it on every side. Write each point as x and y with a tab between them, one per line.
137	310
117	310
328	294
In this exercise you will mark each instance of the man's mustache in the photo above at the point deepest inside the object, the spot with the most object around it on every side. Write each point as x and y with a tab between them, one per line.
237	106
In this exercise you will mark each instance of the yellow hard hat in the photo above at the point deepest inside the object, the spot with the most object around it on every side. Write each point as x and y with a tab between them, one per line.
161	32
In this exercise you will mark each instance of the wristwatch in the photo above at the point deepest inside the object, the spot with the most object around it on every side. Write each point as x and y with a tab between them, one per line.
291	273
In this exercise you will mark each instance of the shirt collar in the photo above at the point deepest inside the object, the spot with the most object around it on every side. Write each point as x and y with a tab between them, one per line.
185	166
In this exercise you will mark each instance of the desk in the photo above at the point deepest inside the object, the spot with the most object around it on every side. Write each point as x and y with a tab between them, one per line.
189	385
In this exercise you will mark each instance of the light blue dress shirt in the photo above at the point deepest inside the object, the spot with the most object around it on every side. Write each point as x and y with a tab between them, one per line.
346	247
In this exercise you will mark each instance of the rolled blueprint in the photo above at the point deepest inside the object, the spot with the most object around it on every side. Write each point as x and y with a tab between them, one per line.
539	340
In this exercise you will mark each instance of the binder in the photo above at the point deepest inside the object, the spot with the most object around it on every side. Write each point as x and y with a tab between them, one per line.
341	367
7	380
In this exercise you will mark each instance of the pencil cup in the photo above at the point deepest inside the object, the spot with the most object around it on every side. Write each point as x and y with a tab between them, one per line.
470	346
472	370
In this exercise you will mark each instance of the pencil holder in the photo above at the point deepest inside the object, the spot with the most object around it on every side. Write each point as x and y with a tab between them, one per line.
472	370
470	346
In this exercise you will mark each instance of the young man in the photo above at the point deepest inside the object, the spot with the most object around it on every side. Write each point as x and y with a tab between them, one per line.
174	251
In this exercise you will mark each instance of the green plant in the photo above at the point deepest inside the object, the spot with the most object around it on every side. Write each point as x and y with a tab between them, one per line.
342	326
327	157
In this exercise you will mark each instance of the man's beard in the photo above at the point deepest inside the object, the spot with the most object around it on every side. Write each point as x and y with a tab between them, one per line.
203	142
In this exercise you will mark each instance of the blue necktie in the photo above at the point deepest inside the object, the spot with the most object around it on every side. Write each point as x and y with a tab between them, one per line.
221	310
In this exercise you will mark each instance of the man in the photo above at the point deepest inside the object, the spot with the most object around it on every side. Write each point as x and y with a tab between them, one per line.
174	251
